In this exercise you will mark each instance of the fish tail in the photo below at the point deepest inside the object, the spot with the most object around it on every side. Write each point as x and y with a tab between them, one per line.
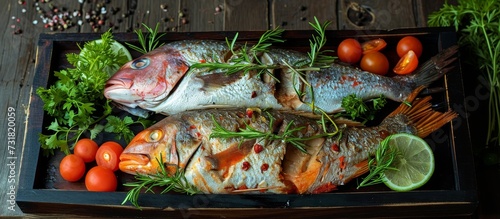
422	116
436	67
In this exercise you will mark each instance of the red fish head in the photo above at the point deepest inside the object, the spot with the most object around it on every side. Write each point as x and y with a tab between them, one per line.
147	80
168	143
142	155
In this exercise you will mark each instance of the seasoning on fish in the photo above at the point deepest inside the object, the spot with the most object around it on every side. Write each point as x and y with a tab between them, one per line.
164	81
230	165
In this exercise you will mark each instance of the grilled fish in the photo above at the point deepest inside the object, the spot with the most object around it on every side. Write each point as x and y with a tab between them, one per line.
230	165
164	81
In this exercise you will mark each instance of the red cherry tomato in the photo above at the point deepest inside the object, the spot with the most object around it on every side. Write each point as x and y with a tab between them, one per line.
409	43
407	64
100	179
373	45
375	62
108	155
349	51
86	149
72	168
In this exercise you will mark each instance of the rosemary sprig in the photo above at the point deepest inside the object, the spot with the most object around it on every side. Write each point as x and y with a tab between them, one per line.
172	182
288	135
149	41
379	164
246	59
317	55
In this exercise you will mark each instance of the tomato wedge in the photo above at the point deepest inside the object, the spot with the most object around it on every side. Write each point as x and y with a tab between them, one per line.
108	155
407	64
373	45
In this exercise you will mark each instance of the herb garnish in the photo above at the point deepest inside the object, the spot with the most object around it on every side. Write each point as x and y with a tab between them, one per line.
288	135
358	109
478	24
176	182
246	59
379	164
76	101
149	42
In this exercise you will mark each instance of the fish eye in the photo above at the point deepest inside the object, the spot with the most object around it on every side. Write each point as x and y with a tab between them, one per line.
140	63
155	135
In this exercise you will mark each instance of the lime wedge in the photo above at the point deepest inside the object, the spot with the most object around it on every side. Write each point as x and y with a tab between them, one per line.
414	164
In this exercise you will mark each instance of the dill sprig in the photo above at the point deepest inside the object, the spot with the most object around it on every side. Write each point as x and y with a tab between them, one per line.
288	135
382	161
148	42
477	22
176	182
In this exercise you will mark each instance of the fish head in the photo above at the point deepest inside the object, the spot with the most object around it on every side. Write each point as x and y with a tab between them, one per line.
146	81
164	144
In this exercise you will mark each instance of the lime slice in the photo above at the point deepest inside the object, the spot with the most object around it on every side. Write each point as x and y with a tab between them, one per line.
414	164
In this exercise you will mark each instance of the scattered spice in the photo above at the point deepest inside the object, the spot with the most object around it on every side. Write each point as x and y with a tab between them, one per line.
245	166
258	148
264	167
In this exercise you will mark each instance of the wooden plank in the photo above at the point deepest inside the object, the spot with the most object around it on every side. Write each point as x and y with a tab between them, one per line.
375	15
202	15
162	12
296	15
242	15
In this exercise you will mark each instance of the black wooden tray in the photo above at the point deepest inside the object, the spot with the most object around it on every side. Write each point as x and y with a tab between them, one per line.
450	192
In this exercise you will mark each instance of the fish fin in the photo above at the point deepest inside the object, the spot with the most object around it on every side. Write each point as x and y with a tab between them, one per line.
348	122
304	180
229	157
435	67
423	117
217	80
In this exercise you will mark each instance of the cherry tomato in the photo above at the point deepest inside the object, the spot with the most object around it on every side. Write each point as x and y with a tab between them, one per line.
375	62
349	51
100	179
86	149
407	64
408	43
108	155
72	168
373	45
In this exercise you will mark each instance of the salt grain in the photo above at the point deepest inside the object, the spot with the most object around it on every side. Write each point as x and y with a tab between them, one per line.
23	10
35	22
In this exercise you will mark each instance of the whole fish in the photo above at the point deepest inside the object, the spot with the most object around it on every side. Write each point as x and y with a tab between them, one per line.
232	165
164	81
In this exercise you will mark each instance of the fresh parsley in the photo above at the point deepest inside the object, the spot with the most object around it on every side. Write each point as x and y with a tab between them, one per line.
75	101
360	110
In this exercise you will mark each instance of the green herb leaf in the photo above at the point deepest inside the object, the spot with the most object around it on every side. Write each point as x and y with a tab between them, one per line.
380	163
172	182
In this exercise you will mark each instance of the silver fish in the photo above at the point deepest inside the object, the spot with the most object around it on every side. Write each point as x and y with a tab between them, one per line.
163	81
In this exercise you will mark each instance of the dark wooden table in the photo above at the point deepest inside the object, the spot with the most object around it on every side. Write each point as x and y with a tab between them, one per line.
24	20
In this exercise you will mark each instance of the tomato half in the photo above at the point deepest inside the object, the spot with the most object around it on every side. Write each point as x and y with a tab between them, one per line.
349	51
72	168
100	179
407	64
373	45
375	62
108	155
408	43
86	149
